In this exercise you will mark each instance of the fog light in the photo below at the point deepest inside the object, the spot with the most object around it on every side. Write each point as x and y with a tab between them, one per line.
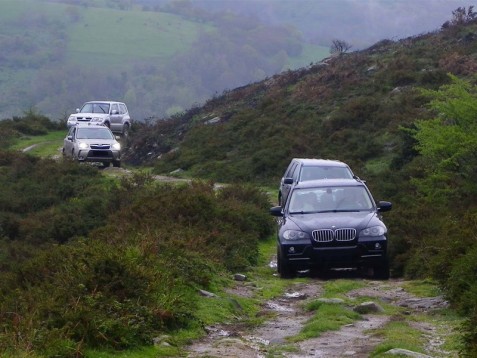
377	246
291	250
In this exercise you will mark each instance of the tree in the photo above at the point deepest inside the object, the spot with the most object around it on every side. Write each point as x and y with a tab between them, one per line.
448	142
460	16
339	46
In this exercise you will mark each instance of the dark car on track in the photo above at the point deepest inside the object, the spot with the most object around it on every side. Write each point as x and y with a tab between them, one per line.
304	169
331	223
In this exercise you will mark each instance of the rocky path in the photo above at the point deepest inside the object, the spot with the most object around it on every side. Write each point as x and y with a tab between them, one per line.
352	340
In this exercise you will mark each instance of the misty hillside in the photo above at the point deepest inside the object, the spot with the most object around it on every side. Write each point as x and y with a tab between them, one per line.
361	23
57	55
349	107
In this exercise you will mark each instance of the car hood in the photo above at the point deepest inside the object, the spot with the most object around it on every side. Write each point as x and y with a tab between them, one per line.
316	221
96	141
97	115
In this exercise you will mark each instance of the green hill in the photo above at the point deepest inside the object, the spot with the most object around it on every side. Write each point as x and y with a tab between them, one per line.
56	56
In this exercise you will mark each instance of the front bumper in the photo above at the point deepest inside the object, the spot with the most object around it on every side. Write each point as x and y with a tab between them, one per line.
303	256
95	155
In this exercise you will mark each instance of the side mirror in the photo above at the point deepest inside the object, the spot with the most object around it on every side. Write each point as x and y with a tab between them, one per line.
114	111
384	206
70	137
288	181
117	137
276	211
77	110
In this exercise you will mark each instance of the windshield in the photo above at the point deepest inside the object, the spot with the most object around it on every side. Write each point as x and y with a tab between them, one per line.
94	133
309	200
321	172
95	108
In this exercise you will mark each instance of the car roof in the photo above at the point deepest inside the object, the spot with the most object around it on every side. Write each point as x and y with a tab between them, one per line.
109	102
323	183
311	162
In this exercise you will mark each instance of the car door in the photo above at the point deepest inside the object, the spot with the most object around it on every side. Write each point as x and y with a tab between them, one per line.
68	143
286	185
116	118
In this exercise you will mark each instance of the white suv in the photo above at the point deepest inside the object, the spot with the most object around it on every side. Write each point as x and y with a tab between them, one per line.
114	115
92	143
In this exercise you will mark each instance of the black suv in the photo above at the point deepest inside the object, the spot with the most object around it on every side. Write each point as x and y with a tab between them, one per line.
302	169
331	223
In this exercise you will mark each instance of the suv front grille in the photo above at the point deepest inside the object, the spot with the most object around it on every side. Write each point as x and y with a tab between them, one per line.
328	235
100	146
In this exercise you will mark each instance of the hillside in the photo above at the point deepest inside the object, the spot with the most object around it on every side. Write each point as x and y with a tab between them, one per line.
57	55
349	107
401	113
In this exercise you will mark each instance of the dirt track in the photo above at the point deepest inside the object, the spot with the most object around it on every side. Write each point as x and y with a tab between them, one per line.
353	340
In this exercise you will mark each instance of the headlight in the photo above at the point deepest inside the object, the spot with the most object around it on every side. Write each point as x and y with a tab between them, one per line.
295	235
83	145
116	146
373	231
95	119
71	118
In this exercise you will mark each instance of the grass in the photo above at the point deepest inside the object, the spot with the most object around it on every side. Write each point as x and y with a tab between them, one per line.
398	334
118	37
46	145
337	288
422	288
222	309
327	317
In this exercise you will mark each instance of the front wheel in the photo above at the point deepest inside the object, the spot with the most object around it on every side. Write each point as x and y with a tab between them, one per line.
116	163
283	266
381	271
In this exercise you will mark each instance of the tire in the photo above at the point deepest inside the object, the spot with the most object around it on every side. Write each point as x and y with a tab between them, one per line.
116	163
106	164
283	266
107	124
280	199
125	130
381	271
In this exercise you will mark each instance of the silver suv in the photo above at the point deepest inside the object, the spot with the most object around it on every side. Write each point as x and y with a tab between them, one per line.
303	169
92	143
114	115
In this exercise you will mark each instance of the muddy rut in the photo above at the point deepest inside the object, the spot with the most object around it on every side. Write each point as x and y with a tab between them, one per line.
288	316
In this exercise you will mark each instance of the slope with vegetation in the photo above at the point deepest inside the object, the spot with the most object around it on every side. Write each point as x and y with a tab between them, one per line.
90	263
402	114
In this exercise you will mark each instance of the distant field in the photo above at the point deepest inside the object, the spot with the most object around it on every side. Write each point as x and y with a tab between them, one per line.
52	50
105	37
113	37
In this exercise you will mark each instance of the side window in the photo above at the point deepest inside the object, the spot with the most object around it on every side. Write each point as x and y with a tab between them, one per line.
122	108
291	168
114	107
296	172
